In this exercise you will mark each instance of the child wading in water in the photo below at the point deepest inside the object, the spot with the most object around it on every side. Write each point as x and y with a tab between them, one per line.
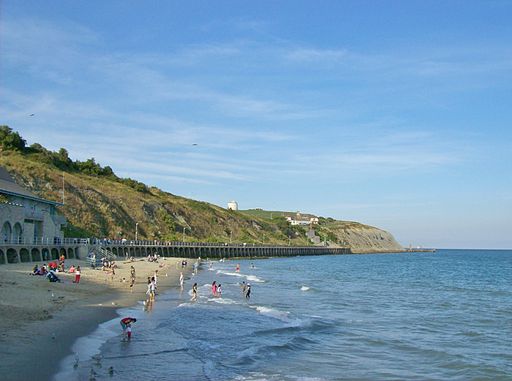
126	324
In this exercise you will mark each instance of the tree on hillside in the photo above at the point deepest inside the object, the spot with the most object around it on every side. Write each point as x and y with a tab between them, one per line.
10	140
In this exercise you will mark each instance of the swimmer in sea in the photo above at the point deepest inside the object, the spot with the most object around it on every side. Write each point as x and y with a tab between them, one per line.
248	291
194	292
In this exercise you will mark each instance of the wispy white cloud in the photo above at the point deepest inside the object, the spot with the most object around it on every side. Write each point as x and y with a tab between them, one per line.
310	55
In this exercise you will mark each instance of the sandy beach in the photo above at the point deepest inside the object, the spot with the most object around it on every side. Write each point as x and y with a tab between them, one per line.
41	320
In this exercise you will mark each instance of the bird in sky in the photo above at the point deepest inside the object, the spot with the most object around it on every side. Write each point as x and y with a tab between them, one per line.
194	144
32	114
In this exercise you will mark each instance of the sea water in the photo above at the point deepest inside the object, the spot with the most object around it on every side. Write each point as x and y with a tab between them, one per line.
414	316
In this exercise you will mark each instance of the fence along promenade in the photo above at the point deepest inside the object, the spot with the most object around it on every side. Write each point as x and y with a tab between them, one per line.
47	249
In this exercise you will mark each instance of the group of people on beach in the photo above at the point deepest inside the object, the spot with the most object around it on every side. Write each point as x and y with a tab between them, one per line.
153	258
51	270
216	289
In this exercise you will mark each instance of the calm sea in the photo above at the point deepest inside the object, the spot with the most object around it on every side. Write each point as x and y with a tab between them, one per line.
435	316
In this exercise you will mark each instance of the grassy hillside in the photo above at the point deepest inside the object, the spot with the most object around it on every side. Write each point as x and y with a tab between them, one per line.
272	214
100	204
103	205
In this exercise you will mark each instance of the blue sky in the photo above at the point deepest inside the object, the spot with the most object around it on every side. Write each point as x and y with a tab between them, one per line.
395	114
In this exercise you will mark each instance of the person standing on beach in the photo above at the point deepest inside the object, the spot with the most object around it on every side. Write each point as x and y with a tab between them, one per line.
132	277
77	275
194	293
151	291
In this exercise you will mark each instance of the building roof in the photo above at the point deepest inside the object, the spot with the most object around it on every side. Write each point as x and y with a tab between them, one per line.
9	186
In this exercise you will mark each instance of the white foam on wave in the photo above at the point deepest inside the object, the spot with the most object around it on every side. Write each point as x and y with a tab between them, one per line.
252	278
267	311
258	376
223	301
304	288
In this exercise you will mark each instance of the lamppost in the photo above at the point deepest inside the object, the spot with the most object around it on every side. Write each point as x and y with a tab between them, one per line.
136	231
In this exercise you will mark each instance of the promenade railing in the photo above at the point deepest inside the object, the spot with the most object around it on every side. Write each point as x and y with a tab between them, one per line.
56	241
42	241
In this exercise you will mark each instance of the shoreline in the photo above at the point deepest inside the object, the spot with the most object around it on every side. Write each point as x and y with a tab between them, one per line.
41	320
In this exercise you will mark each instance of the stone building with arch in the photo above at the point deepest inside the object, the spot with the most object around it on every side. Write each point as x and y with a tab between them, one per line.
26	218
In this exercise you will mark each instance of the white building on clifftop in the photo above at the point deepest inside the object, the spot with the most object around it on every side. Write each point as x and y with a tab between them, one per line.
232	205
299	219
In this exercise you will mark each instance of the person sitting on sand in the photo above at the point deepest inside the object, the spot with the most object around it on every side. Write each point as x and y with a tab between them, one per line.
52	277
72	269
35	270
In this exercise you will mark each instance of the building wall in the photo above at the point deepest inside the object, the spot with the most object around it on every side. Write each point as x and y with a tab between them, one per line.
37	220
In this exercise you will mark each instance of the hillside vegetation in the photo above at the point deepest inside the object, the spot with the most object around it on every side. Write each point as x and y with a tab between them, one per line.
98	203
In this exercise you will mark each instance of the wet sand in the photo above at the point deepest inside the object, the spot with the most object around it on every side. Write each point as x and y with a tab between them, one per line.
41	320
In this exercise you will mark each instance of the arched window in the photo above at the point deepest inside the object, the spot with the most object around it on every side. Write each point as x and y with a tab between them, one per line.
18	233
6	232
